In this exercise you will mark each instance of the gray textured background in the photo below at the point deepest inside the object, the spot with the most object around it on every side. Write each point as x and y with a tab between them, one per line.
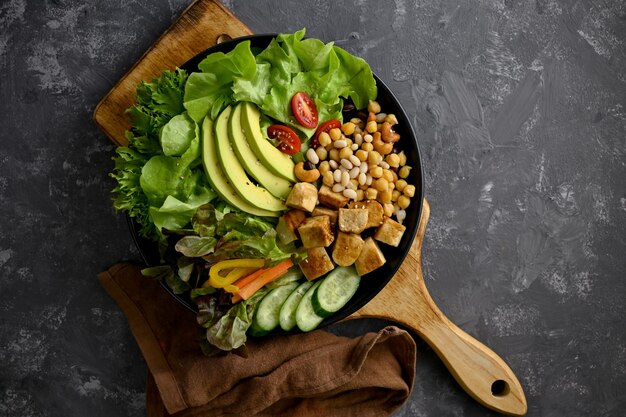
520	111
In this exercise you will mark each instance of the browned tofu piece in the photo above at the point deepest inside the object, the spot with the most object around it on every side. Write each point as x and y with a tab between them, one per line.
316	232
303	196
288	225
347	248
375	212
370	258
390	232
316	264
330	198
325	211
352	220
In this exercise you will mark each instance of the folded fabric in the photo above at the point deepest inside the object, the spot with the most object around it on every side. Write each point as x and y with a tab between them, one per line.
312	374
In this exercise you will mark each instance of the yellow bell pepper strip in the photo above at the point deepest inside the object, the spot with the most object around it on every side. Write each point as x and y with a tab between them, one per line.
235	274
217	280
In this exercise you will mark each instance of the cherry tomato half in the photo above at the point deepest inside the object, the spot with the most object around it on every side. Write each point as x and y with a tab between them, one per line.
289	140
304	110
324	127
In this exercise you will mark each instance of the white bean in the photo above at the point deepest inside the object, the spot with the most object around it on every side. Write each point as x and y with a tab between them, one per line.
368	180
349	194
333	164
341	143
364	168
355	161
337	175
347	164
384	165
401	216
345	178
368	138
354	147
362	178
380	117
350	186
358	139
338	188
354	172
312	156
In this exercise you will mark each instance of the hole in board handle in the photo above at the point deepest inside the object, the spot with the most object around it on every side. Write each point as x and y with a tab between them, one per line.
223	38
500	388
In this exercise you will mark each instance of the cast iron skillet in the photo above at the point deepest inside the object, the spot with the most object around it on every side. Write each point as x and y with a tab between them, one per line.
372	283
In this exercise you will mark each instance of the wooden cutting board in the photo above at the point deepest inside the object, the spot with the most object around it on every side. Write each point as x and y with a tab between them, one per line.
405	300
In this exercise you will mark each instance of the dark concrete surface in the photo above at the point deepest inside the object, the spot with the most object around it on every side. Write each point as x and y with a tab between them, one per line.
520	108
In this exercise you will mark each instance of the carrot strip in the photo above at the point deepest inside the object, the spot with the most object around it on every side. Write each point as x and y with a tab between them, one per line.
242	282
267	276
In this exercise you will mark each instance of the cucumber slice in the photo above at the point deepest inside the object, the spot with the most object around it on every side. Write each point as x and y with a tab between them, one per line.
335	290
287	315
306	318
266	315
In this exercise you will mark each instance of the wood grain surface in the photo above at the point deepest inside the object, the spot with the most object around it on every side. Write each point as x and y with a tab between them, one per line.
405	299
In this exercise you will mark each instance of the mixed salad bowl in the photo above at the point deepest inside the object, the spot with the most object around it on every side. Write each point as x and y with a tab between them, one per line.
273	184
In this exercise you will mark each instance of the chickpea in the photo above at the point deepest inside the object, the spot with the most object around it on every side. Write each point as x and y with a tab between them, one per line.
362	155
367	147
345	153
391	119
322	153
409	191
335	134
334	154
402	157
375	171
393	160
373	107
395	194
324	139
348	128
404	201
381	185
360	195
371	127
324	167
404	171
374	158
328	178
371	193
388	210
400	184
387	175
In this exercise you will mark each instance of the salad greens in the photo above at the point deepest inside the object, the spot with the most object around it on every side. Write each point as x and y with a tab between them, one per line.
161	183
288	65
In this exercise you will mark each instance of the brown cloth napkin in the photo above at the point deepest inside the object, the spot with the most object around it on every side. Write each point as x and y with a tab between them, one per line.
314	374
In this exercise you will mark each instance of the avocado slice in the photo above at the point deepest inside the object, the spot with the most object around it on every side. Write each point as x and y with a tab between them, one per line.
218	179
273	159
276	185
253	194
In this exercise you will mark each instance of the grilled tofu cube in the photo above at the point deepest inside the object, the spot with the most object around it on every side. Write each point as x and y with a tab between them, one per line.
375	212
330	198
352	220
390	232
316	264
303	196
288	225
347	248
324	211
370	258
316	232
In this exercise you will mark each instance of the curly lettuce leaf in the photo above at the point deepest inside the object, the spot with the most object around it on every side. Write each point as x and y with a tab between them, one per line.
291	64
210	91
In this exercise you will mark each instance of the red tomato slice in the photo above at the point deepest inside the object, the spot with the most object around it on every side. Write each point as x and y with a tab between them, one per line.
289	140
304	110
324	127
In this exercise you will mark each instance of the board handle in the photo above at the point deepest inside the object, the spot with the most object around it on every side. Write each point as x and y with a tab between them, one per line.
480	371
